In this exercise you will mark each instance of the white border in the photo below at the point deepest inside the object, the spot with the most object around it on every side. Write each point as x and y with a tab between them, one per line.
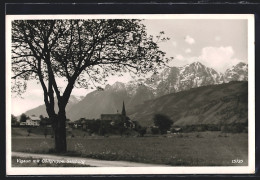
250	169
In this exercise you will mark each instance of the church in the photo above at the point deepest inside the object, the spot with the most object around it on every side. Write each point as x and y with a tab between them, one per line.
105	119
118	117
115	117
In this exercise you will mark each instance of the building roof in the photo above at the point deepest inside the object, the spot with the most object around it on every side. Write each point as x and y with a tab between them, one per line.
35	118
111	117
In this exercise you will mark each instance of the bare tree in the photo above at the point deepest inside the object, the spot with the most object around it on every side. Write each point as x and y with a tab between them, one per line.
84	52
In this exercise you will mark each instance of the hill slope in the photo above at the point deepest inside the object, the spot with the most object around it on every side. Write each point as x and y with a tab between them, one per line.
41	110
224	103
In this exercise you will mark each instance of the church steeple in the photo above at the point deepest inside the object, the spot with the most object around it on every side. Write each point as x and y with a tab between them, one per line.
123	109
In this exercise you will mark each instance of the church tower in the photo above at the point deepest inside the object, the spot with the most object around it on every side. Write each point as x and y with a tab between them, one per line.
123	110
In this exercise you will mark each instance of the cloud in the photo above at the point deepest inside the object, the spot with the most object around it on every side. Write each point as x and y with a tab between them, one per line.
219	58
179	57
188	50
174	43
81	91
178	60
189	40
217	38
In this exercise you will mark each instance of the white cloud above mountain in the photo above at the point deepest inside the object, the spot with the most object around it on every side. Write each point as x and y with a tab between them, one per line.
189	40
219	58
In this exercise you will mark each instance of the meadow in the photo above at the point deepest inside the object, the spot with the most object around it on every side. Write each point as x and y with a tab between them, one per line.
187	149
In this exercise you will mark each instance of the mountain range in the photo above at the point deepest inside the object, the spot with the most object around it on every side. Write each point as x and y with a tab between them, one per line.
137	93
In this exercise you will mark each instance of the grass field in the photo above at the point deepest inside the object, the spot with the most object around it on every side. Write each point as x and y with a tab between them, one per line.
189	149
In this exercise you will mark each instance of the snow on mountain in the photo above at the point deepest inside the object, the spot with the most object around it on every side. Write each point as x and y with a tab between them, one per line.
238	72
75	99
118	86
176	79
131	88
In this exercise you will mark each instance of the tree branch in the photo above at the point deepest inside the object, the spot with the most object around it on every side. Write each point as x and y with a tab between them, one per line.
23	72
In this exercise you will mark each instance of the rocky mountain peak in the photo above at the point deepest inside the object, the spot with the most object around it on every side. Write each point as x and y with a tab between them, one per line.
108	86
175	79
238	72
241	64
118	86
197	64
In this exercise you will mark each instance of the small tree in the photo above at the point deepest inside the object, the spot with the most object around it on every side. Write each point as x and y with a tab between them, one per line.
163	122
29	132
119	126
45	132
14	120
23	118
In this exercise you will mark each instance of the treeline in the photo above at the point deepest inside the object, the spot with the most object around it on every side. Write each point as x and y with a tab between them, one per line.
226	128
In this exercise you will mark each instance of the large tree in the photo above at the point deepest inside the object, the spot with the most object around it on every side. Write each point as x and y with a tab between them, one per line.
23	117
84	53
163	122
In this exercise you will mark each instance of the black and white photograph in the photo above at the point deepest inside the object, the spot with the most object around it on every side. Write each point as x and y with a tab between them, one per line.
130	94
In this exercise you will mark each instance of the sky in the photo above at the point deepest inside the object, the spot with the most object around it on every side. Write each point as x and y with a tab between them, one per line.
218	44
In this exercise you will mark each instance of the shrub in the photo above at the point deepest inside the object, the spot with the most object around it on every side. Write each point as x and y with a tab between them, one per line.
142	131
213	127
233	128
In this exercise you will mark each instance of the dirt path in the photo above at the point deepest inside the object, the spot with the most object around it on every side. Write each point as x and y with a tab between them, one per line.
84	161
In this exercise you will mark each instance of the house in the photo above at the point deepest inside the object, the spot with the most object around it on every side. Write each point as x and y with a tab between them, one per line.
33	121
176	129
22	123
81	123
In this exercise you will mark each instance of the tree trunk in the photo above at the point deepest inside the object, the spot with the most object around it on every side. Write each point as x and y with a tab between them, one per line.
60	132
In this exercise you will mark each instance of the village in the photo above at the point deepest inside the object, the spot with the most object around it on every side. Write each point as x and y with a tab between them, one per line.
117	123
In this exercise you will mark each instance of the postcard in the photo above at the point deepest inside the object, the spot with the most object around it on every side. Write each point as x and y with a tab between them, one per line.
130	94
